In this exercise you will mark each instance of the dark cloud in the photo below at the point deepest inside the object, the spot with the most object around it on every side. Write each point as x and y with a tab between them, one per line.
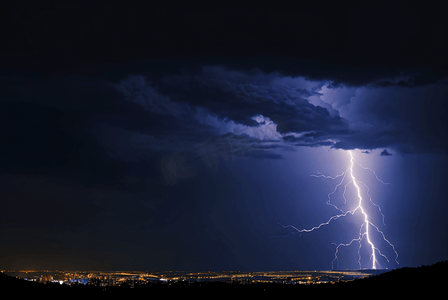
239	97
407	119
92	128
141	118
79	96
80	128
385	153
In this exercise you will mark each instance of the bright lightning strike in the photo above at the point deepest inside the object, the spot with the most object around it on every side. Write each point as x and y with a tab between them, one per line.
366	227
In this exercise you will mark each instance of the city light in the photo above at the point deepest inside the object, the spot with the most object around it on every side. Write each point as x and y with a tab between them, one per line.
105	279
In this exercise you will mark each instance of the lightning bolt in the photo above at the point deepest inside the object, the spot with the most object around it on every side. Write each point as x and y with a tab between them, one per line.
366	227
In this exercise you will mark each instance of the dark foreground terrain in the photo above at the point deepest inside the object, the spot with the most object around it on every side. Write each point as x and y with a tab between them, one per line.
429	280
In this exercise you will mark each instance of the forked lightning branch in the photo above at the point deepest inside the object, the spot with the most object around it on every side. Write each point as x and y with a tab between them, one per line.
366	227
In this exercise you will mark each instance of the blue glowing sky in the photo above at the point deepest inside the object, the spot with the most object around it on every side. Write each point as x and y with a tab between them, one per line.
171	137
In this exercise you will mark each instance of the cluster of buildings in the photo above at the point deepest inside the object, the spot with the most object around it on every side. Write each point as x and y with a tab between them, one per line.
85	278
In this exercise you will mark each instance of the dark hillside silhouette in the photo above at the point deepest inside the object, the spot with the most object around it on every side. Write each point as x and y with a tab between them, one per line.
398	282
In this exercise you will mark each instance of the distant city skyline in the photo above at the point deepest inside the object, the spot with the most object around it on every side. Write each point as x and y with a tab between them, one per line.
140	278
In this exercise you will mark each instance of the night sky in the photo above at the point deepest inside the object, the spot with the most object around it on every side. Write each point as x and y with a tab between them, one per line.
184	136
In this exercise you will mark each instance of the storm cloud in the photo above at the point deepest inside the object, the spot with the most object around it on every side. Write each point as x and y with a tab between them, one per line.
142	117
160	75
250	76
302	112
